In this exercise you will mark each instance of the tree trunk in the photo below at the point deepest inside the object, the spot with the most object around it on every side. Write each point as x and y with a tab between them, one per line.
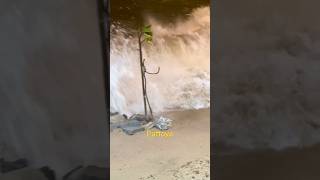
142	77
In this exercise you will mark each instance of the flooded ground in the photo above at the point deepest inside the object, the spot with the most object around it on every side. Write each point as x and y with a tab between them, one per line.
182	156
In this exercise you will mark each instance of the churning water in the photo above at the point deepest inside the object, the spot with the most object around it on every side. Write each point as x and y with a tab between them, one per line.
181	50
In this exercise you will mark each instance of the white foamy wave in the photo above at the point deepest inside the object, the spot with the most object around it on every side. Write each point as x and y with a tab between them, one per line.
181	50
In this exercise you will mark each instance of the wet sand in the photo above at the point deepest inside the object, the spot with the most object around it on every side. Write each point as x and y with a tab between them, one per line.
290	164
185	155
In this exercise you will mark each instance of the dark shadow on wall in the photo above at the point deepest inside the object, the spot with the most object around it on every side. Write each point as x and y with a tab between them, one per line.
266	76
52	90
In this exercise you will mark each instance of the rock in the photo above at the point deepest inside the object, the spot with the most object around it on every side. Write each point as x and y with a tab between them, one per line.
138	117
116	121
114	126
132	126
149	125
113	113
132	130
117	118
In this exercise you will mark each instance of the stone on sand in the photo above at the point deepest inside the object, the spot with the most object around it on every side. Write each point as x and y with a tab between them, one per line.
132	126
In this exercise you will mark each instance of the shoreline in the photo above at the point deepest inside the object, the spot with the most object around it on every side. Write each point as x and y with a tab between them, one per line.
185	154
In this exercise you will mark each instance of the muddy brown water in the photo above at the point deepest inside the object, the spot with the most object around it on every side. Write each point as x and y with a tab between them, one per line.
133	12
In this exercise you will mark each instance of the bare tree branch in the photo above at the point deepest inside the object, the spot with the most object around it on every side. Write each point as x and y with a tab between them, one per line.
153	72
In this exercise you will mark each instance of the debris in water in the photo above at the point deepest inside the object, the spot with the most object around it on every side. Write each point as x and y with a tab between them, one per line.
138	117
132	126
138	123
163	123
149	125
116	121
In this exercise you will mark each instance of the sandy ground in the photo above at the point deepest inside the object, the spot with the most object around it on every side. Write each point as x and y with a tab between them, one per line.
184	156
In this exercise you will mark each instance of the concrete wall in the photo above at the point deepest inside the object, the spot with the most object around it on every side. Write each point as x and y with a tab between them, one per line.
52	96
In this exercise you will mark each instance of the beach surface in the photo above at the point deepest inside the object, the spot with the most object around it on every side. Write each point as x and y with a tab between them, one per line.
184	155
